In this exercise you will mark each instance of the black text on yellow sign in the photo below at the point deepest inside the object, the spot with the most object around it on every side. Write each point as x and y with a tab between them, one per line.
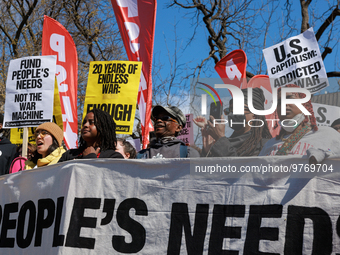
113	87
18	133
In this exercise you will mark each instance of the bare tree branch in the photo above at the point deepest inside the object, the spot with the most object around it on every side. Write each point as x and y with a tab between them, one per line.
328	21
333	74
304	14
326	52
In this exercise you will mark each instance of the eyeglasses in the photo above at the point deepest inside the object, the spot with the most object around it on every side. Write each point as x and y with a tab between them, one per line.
42	133
163	118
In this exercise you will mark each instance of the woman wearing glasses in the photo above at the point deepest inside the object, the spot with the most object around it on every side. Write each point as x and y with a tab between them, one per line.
48	138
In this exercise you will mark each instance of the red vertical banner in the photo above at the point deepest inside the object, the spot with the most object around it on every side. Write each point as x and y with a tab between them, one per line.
57	41
136	20
232	68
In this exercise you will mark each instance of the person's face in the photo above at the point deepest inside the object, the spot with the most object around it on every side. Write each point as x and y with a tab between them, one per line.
43	140
120	149
89	130
337	127
165	125
291	109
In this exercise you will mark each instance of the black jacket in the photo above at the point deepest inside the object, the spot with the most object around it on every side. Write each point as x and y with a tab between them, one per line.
77	154
7	154
167	149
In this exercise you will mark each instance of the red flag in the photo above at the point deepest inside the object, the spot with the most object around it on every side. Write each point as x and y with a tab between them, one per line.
262	81
57	41
136	21
232	68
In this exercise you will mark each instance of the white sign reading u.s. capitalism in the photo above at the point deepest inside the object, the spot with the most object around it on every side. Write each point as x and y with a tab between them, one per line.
29	91
297	60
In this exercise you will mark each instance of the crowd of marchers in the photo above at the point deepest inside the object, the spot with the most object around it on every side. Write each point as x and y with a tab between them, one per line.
98	137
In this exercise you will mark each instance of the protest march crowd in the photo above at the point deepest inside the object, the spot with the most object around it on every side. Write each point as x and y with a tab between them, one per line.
98	139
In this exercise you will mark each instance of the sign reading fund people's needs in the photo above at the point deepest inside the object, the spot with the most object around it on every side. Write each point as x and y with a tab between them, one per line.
297	60
112	87
29	91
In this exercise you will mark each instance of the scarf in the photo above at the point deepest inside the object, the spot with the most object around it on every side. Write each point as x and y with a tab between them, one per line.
52	158
288	145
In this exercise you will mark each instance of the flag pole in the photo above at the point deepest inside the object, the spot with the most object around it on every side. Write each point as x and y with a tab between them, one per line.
24	142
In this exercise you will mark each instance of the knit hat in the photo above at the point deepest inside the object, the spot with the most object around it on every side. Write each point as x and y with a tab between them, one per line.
53	129
173	111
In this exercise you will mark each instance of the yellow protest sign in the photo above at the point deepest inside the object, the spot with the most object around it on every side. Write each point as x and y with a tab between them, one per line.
113	87
57	115
17	133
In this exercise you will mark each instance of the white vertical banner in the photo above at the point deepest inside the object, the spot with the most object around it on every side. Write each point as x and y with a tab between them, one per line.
29	91
297	60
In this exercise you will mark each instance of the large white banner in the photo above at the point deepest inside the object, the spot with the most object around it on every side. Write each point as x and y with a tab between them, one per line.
262	205
29	91
297	60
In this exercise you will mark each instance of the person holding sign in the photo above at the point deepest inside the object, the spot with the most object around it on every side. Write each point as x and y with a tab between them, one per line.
48	137
98	138
299	134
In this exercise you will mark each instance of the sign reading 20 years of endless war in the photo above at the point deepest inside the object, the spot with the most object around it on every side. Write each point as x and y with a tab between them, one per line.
29	91
112	87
